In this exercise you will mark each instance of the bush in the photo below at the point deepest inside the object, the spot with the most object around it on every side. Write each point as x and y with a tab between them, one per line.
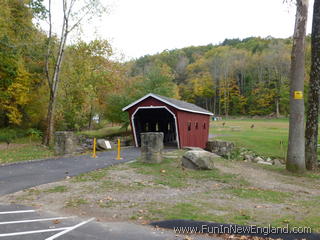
33	132
8	135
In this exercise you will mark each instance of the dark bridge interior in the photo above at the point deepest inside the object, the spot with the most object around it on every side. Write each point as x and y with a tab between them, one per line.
156	120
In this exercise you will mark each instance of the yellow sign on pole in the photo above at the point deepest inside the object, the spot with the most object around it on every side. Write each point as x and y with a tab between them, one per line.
118	155
298	95
94	155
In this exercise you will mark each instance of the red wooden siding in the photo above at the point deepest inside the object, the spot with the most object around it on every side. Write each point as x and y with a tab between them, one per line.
195	137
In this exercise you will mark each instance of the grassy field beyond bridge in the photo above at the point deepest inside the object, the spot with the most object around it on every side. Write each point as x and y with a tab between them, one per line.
262	136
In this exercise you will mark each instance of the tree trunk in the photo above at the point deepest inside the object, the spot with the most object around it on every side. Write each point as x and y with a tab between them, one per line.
50	121
54	81
296	147
90	117
277	108
314	91
225	94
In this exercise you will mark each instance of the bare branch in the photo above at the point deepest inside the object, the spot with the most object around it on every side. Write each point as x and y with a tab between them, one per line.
47	71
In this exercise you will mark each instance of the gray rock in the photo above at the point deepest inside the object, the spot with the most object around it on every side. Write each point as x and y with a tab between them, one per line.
257	159
198	160
102	144
265	163
269	159
248	157
222	148
277	162
151	147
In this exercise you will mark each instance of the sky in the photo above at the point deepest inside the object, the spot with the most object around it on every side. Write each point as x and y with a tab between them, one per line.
139	27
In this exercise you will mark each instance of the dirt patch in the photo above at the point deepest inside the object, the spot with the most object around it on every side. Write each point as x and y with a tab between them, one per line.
248	194
264	179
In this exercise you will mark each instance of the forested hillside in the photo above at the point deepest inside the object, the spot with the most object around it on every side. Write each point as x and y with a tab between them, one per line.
236	77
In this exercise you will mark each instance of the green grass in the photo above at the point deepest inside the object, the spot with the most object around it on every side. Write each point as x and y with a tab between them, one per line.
258	194
103	183
282	170
264	138
93	176
24	144
57	189
196	211
76	202
170	173
24	152
106	132
109	185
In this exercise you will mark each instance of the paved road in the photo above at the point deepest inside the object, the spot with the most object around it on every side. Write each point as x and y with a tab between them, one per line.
24	223
24	175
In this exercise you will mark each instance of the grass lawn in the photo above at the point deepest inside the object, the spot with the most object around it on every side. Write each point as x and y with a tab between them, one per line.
263	138
23	150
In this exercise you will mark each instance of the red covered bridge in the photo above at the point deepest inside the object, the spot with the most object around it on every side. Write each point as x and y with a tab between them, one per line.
183	124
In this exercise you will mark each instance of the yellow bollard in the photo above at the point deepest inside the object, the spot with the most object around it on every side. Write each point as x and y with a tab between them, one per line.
118	156
94	155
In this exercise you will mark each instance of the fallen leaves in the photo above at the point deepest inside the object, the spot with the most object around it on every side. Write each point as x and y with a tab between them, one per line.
56	221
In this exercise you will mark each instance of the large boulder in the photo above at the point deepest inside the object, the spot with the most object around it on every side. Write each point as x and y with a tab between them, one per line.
198	160
222	148
103	144
151	147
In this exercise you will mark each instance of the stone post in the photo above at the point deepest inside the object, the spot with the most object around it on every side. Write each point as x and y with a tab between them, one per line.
65	143
151	147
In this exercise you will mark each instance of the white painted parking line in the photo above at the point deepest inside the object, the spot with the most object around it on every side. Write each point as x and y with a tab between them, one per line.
69	229
35	220
21	211
33	232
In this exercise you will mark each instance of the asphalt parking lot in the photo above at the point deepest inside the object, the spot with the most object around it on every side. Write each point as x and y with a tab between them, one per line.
25	223
19	222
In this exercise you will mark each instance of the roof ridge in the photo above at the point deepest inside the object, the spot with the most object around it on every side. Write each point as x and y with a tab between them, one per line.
179	104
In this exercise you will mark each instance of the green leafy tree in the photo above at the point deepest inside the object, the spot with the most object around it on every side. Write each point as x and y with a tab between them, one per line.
158	81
